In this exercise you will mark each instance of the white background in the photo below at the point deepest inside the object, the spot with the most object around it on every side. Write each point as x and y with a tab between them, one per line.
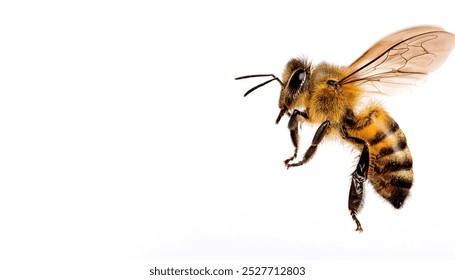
123	135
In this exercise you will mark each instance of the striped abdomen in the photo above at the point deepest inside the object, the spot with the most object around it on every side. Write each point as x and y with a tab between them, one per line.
390	170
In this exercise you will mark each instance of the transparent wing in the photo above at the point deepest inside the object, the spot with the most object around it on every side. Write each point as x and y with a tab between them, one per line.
400	60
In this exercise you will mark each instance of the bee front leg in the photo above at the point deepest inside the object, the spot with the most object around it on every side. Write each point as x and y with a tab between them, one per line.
320	133
293	126
356	191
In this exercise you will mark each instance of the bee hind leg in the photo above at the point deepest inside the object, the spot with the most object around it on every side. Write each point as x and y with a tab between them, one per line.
359	176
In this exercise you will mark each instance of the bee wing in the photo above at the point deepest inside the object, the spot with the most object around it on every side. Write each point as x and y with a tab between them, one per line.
400	60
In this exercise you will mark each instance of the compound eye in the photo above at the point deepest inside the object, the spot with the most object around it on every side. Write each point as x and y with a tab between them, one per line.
297	79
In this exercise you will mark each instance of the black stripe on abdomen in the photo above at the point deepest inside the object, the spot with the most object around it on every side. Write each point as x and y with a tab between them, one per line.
393	165
386	151
402	182
379	136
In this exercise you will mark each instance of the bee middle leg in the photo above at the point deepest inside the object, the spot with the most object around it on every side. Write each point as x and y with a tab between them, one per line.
320	133
359	176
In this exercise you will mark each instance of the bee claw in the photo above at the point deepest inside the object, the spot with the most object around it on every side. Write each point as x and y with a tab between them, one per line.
286	163
354	217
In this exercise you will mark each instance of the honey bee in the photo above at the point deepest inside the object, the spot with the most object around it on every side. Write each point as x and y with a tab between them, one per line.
330	95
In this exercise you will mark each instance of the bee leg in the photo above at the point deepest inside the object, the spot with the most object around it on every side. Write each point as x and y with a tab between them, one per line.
320	133
293	126
356	191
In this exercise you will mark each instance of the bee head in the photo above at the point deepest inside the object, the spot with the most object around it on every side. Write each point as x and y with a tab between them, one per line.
295	82
296	76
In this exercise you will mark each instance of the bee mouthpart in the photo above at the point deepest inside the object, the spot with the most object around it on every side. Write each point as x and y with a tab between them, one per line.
280	115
